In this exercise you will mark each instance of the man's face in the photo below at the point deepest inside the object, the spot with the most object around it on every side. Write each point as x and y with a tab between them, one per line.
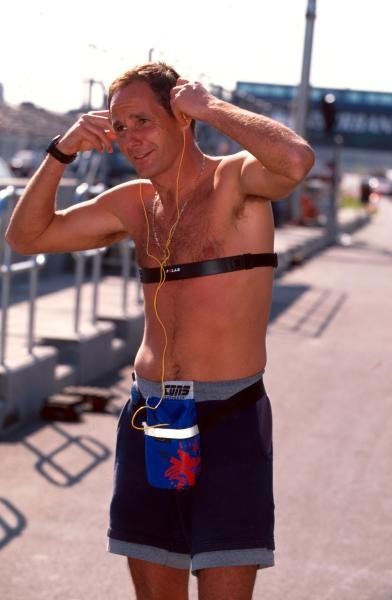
147	135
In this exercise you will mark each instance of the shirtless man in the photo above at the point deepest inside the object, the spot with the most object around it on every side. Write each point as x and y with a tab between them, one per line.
185	208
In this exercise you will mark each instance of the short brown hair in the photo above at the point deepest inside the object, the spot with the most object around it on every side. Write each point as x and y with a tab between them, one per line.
159	76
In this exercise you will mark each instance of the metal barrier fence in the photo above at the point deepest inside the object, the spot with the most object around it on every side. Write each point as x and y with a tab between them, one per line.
8	197
9	269
127	254
128	260
80	265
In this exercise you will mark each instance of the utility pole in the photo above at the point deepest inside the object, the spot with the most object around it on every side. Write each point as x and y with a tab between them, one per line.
303	94
92	83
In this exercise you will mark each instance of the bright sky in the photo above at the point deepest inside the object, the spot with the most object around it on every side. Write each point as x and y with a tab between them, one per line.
48	49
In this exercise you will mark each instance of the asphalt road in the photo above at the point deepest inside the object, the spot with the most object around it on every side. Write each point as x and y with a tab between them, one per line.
329	377
330	380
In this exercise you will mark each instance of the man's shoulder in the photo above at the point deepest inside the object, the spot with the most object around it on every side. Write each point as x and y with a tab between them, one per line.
128	187
234	157
124	200
231	162
229	166
125	192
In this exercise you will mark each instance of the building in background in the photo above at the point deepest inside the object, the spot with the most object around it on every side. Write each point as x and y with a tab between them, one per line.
363	119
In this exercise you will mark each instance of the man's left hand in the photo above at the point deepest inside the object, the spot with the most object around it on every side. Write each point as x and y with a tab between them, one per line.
189	99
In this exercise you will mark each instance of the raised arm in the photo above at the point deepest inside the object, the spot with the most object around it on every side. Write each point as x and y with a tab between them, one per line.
277	159
36	226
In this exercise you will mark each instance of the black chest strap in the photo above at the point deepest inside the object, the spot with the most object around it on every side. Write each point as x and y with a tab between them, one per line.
213	266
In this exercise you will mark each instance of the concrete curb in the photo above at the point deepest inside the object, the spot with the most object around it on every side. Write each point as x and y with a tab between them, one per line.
294	244
60	357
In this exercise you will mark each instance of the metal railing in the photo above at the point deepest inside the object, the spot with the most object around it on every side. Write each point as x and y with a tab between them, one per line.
128	260
80	269
8	269
127	254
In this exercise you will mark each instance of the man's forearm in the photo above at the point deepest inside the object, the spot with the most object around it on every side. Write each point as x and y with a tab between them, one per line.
35	209
276	146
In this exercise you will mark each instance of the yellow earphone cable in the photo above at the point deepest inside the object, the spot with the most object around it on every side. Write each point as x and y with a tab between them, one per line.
162	263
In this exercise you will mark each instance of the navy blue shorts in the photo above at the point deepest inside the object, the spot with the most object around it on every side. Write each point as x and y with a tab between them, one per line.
227	518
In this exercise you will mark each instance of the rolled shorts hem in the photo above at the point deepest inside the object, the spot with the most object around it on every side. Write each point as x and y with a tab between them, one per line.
149	553
261	557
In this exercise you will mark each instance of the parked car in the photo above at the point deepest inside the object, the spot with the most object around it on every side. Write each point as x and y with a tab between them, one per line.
25	162
383	186
8	178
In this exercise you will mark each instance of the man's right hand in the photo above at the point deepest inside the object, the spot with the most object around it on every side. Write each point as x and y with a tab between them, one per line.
92	131
36	226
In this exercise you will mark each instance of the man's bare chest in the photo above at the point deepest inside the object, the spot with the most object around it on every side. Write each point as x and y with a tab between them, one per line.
197	232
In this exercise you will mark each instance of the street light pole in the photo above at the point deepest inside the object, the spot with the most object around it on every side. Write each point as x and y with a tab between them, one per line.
91	84
303	93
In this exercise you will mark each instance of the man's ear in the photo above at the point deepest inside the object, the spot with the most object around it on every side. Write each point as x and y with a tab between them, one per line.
186	119
183	120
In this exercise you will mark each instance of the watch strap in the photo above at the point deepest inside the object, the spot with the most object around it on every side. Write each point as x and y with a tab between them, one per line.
57	154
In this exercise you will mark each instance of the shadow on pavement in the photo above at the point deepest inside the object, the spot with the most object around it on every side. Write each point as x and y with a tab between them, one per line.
12	522
305	310
72	458
283	296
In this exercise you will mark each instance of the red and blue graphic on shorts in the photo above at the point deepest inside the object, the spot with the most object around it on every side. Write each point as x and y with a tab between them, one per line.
185	466
173	461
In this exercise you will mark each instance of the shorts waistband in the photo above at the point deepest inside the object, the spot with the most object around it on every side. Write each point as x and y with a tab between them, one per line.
203	390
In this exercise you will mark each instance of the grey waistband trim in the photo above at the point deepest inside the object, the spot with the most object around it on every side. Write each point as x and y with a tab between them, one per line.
203	390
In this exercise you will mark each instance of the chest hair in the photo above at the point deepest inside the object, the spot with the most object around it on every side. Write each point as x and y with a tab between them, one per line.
197	236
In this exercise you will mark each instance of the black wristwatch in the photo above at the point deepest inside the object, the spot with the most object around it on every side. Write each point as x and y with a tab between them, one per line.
57	154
